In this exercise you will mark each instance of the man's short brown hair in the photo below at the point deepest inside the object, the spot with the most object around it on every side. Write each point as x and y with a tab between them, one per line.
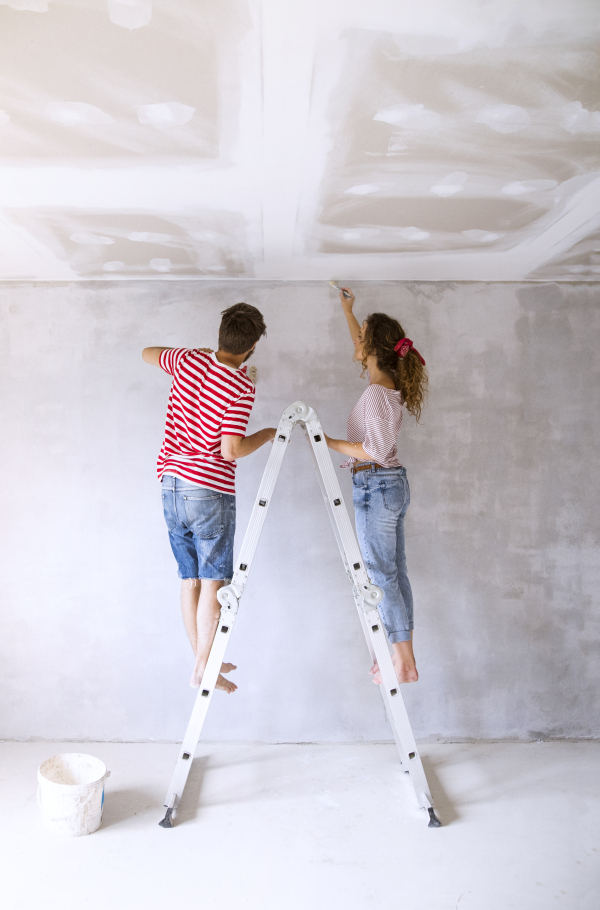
241	327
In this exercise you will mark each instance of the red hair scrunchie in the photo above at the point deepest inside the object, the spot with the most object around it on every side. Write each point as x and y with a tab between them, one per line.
404	346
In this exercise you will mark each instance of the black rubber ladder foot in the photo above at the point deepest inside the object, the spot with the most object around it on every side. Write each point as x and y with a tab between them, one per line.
167	821
434	821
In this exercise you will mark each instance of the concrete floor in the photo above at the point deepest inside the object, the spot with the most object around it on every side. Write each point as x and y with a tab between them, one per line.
314	827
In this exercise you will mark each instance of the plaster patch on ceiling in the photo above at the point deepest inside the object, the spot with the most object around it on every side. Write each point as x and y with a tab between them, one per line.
413	233
504	118
73	84
519	187
451	184
577	119
182	245
71	113
493	132
160	265
363	189
410	116
130	13
165	114
482	236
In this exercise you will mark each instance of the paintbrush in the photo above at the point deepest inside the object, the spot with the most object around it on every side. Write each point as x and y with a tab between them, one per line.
338	288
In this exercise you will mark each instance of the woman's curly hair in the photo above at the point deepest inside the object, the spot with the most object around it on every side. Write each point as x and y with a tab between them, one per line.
382	333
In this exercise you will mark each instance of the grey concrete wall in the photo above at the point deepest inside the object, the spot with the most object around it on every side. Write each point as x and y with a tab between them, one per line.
502	530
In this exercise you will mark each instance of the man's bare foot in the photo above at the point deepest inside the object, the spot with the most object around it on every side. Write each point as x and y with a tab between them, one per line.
224	684
404	663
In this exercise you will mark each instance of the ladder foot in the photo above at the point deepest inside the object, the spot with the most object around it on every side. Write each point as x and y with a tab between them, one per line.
434	821
167	821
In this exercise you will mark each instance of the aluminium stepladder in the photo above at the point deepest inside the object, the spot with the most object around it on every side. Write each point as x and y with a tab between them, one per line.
366	598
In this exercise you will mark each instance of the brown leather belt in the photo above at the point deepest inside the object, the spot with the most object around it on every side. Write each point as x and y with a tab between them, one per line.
366	466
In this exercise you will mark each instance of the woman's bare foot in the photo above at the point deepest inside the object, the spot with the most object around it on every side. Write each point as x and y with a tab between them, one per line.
224	684
403	659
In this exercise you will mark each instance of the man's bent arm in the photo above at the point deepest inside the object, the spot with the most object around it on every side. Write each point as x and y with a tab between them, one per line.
234	447
152	355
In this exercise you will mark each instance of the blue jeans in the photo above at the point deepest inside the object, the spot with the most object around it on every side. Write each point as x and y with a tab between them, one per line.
201	525
381	499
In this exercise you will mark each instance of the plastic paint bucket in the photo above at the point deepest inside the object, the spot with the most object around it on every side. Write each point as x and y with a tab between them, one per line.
71	793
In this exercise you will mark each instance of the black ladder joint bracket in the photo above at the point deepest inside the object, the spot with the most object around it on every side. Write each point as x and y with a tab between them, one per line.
375	628
317	438
412	755
243	567
262	502
281	437
186	756
224	629
434	821
356	566
393	692
337	502
167	821
205	693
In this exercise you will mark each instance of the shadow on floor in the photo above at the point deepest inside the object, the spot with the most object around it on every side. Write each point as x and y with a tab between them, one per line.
444	809
124	804
190	803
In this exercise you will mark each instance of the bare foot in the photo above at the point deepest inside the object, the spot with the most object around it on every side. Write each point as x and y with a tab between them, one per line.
376	674
403	659
224	684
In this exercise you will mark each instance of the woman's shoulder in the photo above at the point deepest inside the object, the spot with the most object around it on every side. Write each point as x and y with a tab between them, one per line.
381	397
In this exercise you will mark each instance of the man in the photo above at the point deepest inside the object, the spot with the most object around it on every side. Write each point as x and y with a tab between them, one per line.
209	406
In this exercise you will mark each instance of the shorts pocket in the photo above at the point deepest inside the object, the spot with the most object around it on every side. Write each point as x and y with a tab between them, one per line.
393	492
168	509
204	514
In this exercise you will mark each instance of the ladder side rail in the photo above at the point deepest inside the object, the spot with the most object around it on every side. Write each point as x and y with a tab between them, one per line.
337	507
229	597
390	688
367	633
199	711
261	504
330	507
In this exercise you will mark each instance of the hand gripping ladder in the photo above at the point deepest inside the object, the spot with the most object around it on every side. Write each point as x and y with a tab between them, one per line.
366	598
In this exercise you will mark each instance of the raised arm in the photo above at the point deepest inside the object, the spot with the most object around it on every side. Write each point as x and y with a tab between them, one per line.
152	355
347	304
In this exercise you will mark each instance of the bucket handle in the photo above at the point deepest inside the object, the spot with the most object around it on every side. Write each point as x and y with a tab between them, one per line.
62	818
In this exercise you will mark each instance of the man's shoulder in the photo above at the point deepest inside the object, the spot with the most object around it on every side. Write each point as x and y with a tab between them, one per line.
238	381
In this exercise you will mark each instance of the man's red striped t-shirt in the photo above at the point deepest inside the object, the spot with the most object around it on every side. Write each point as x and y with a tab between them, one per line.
207	399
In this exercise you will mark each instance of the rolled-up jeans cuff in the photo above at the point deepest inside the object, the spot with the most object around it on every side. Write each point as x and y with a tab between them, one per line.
403	635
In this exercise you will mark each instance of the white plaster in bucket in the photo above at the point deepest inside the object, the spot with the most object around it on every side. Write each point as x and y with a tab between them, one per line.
71	793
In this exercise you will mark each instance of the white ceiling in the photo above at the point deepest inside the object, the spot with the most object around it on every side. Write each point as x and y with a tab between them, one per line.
430	139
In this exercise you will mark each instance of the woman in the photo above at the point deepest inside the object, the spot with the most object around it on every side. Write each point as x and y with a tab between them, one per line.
397	380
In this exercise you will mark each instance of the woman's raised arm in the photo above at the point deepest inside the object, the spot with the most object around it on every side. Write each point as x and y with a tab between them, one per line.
347	304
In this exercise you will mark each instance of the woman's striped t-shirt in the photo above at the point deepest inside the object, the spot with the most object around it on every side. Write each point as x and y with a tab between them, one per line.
207	400
375	422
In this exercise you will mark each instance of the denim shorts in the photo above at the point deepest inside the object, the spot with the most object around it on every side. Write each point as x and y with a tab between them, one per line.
381	499
201	525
